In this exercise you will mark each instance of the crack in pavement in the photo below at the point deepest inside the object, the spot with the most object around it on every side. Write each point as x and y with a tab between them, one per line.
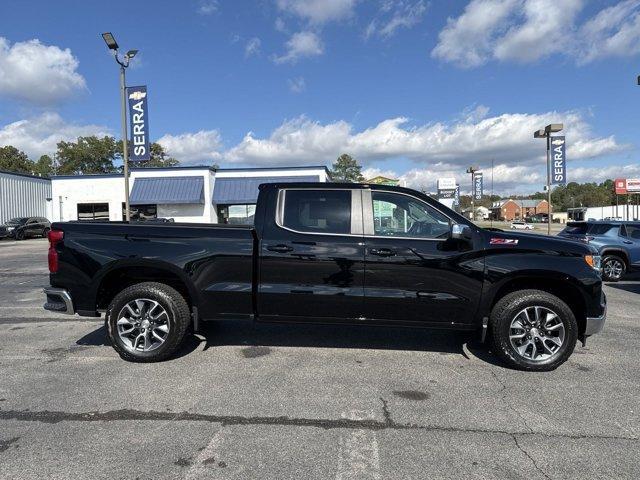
46	416
503	396
535	464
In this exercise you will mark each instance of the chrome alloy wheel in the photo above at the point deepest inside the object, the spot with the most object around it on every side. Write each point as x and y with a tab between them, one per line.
613	268
143	325
536	333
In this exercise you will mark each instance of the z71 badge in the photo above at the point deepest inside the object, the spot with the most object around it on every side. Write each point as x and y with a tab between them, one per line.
503	241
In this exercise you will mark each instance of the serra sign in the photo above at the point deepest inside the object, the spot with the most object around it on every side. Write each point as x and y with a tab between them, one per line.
558	161
139	124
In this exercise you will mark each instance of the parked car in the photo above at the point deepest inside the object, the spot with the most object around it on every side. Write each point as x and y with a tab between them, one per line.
520	225
25	227
618	243
330	253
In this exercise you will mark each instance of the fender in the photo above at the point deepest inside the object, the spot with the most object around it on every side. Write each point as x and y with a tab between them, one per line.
155	263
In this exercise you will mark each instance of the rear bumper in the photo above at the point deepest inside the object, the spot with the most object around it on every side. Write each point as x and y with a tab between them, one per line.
596	324
58	300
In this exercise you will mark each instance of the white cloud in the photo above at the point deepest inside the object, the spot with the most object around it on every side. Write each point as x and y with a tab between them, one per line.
207	7
296	141
614	31
393	16
39	135
297	85
38	73
301	44
318	11
506	138
468	41
528	30
200	148
252	47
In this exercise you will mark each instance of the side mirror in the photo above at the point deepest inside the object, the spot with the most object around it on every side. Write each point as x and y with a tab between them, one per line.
460	232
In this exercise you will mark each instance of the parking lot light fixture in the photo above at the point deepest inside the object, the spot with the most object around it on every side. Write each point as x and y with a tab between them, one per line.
546	133
110	41
124	63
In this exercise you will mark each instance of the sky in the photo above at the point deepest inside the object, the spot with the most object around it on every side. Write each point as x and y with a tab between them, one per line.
413	89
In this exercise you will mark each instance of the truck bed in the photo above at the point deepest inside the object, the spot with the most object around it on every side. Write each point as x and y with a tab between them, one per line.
217	260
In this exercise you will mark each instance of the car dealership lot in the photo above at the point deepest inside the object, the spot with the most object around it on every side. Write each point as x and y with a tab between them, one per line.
245	401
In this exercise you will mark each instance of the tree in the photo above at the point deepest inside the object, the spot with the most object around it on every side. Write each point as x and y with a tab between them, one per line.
346	169
44	166
14	160
88	155
159	158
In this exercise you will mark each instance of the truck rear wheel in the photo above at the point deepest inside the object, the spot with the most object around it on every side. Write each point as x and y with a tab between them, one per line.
533	330
147	322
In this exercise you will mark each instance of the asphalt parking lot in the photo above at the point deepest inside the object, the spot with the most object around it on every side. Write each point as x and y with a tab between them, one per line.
305	402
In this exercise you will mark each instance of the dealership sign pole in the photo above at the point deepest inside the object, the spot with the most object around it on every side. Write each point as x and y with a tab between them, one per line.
546	133
124	63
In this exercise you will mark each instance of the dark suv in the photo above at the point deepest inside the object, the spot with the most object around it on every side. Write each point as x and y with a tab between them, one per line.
617	241
23	227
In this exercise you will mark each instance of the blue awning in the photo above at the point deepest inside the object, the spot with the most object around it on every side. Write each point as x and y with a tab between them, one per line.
167	190
234	191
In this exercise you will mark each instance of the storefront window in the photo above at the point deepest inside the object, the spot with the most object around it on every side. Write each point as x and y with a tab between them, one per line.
237	214
93	211
141	212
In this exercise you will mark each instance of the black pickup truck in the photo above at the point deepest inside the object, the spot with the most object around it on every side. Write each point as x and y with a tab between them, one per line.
331	253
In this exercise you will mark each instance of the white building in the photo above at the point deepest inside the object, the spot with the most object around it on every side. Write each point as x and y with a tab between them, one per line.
617	212
185	194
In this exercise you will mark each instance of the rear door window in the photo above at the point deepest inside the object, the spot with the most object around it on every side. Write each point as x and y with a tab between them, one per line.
633	231
317	211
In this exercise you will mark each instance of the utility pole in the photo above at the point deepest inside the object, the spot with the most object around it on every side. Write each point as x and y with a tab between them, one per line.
124	63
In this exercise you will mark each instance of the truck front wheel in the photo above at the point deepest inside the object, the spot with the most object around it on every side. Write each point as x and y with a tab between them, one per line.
147	322
533	330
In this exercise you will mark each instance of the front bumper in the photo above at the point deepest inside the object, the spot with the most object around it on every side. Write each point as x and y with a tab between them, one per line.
596	324
58	300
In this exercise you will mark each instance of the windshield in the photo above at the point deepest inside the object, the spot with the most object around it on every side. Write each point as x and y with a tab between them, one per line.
17	221
577	228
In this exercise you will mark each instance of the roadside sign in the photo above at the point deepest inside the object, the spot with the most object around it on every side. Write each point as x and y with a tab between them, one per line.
139	124
446	183
477	185
558	161
620	185
633	185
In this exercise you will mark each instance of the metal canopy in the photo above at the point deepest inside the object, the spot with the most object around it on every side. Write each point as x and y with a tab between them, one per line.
243	190
167	190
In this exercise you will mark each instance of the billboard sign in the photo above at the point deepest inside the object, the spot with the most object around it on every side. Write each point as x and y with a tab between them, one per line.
456	198
633	185
446	193
620	186
558	161
448	183
477	186
139	148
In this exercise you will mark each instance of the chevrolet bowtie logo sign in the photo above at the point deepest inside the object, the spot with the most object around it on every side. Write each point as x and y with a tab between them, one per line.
137	95
558	161
139	124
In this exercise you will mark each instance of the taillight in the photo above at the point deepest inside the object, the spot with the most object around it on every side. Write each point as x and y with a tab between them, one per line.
55	237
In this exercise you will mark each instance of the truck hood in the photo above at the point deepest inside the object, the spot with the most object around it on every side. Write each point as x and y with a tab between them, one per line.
533	241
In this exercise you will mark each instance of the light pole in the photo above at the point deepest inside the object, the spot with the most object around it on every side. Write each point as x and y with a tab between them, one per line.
124	63
546	133
472	170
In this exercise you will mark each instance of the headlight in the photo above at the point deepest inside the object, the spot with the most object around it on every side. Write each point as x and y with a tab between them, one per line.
593	261
10	229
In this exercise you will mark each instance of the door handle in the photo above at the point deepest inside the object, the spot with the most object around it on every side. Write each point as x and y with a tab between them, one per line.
382	252
627	242
279	248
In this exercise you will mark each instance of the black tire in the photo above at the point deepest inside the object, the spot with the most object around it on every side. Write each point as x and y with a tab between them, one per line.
505	311
611	265
19	235
179	320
